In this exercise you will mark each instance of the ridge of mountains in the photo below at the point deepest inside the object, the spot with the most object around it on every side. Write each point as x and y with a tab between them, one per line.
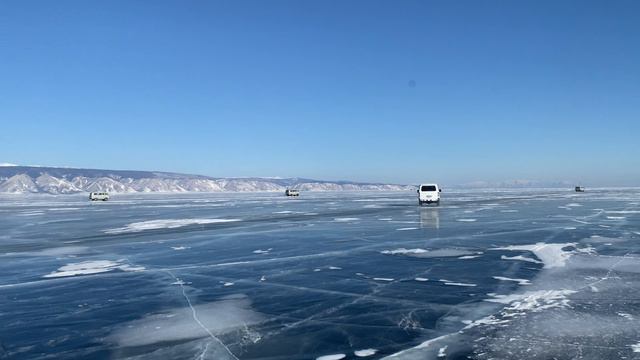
59	180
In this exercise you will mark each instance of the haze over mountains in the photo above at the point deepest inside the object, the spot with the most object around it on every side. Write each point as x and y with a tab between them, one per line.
56	180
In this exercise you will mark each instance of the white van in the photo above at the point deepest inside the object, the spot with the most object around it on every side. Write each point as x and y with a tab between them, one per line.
429	193
95	196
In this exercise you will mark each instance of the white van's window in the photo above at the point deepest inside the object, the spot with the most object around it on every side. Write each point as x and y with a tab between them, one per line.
428	188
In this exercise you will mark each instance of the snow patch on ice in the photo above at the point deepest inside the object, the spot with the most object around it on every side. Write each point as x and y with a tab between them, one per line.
520	258
346	219
442	352
459	284
91	267
165	224
403	251
192	322
332	357
260	251
625	315
534	301
552	255
519	281
414	353
365	352
423	253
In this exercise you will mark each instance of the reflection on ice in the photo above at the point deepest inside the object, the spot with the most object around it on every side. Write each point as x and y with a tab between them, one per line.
429	218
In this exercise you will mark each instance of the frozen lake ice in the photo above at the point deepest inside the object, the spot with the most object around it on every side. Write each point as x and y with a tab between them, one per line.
535	274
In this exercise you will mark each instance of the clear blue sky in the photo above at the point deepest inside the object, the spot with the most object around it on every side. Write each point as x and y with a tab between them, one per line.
396	91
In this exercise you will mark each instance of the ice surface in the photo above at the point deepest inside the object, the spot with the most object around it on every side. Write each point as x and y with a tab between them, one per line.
323	275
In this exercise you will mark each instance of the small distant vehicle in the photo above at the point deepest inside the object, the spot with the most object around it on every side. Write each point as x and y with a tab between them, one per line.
292	192
98	196
429	194
579	188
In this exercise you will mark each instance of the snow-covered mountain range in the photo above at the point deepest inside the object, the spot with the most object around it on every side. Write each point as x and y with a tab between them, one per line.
55	180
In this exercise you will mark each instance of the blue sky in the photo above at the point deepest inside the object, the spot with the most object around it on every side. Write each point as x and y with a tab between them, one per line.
394	91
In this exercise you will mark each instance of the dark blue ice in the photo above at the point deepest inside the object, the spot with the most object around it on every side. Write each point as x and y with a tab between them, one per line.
534	274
